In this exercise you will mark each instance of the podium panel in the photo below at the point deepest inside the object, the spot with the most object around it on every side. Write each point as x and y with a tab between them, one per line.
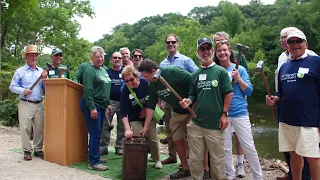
65	130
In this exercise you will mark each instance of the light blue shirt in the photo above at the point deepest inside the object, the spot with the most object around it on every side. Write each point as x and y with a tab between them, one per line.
239	104
180	60
23	79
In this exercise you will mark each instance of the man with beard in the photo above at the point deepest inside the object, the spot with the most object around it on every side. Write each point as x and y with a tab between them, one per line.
211	92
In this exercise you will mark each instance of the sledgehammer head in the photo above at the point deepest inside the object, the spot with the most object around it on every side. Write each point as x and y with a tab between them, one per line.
259	67
242	47
49	66
156	75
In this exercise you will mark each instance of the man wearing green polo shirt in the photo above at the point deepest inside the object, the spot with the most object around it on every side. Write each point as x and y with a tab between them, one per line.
180	80
56	57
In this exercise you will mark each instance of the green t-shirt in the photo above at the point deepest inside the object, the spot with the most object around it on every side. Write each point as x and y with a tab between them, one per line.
208	88
78	75
54	73
179	80
243	60
96	87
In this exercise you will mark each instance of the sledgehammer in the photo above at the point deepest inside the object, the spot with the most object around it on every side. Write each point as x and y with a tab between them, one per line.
259	68
157	76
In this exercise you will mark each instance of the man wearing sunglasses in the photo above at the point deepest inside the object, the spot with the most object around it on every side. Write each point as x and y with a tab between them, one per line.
56	57
298	94
174	58
283	58
116	82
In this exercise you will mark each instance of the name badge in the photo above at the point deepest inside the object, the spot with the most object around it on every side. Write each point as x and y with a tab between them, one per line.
28	75
120	75
51	72
130	96
202	77
303	70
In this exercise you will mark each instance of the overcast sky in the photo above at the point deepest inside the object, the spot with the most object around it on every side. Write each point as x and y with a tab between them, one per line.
110	13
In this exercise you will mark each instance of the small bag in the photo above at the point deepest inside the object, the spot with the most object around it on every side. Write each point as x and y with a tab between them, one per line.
158	113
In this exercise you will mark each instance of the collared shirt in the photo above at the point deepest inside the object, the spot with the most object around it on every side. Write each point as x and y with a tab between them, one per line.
180	60
284	57
204	67
23	79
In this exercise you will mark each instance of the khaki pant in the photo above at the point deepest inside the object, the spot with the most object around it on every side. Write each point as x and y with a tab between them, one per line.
200	139
167	109
151	137
31	114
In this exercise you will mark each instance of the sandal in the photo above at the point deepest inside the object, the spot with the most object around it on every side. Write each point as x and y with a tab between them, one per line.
181	173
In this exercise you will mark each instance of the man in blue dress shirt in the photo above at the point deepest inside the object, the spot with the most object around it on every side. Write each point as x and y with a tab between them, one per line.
30	107
174	58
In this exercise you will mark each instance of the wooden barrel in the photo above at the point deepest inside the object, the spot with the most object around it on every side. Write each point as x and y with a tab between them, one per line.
135	155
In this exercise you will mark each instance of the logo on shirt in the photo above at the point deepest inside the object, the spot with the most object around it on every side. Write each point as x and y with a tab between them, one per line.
163	93
204	85
214	83
300	75
289	77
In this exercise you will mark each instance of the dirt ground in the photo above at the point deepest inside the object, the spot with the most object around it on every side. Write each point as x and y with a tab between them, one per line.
12	165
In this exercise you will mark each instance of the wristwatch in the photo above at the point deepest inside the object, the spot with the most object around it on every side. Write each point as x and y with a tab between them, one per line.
226	113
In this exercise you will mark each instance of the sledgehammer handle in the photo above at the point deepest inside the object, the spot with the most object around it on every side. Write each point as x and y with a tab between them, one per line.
268	92
164	82
237	64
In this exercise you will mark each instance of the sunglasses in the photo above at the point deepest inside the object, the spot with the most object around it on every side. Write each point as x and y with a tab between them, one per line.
58	55
117	57
282	37
128	80
292	42
137	56
171	42
208	48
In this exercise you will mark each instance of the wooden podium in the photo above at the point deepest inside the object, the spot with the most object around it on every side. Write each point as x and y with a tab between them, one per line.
65	130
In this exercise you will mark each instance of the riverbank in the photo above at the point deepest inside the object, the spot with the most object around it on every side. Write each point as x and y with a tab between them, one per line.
13	166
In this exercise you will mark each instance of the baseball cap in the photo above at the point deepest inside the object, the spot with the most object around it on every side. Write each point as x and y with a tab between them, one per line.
203	40
56	51
298	34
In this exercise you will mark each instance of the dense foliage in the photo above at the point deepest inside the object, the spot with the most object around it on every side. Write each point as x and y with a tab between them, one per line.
52	23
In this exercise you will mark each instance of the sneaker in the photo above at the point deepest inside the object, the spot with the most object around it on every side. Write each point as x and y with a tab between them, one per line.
39	154
98	167
206	175
158	165
150	159
27	156
119	152
240	171
103	160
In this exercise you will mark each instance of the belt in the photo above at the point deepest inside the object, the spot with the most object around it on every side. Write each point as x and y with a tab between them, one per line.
35	102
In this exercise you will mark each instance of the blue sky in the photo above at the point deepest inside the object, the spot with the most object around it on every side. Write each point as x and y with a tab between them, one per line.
110	13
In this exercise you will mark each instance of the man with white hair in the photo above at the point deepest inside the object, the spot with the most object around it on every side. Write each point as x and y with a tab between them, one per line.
125	53
299	115
283	58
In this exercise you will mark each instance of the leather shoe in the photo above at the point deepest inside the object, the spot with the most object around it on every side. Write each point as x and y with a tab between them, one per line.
39	154
27	156
284	178
168	161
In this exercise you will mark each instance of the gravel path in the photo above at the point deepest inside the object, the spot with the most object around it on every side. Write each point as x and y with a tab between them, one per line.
13	166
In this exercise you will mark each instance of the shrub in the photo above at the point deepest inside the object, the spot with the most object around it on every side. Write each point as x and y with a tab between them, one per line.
9	112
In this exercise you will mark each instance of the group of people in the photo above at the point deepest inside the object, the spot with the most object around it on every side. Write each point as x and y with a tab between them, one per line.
130	89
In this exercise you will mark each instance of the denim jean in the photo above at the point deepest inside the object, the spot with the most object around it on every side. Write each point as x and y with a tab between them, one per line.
94	129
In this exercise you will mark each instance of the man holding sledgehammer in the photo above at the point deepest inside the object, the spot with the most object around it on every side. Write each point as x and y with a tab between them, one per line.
179	80
283	58
30	106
